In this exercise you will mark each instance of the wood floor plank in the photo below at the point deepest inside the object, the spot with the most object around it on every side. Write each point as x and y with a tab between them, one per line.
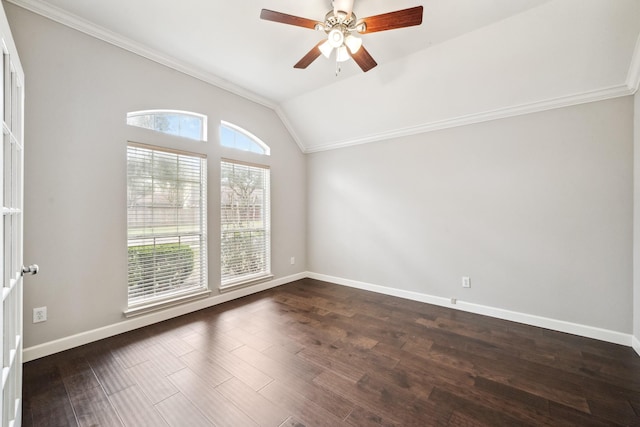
80	382
325	398
72	365
206	368
330	305
509	406
420	374
93	408
382	400
135	409
249	339
178	411
485	415
524	376
512	394
292	422
618	411
176	345
322	356
240	369
110	373
314	353
263	411
463	420
218	409
131	354
167	362
212	338
50	408
359	417
296	374
288	369
152	381
565	415
305	410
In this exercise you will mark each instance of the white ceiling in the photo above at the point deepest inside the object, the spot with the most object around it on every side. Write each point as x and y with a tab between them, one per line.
470	60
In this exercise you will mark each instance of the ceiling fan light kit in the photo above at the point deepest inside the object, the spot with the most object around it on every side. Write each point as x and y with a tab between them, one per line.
353	43
340	24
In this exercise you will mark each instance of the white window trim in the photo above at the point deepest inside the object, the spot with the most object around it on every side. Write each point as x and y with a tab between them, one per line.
246	281
141	309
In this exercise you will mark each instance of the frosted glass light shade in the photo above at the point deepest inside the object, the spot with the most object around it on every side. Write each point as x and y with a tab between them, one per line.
326	49
353	43
342	54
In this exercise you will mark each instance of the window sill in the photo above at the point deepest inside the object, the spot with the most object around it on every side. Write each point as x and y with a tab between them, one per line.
161	305
244	282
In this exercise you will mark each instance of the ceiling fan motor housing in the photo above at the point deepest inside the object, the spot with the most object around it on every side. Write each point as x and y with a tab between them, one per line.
338	26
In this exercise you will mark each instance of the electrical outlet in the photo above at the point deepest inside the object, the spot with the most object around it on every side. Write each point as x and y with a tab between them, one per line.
466	282
39	314
293	260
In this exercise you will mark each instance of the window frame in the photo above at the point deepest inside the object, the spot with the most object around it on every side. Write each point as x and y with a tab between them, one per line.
201	290
249	278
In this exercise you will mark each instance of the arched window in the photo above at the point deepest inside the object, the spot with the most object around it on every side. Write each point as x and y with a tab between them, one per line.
173	122
233	136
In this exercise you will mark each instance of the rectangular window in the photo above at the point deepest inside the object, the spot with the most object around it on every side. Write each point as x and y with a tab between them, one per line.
245	223
166	225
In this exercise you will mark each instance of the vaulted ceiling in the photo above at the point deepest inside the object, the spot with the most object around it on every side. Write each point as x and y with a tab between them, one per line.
470	60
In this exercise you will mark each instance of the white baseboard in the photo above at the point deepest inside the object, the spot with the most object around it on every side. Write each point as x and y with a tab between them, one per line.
66	343
528	319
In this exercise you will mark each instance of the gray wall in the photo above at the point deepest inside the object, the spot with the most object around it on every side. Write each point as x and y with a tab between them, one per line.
78	91
536	209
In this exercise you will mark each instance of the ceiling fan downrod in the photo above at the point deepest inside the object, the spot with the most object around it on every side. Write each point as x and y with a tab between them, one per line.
344	6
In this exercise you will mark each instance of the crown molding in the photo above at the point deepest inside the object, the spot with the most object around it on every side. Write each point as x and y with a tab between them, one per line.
633	76
75	22
287	124
533	107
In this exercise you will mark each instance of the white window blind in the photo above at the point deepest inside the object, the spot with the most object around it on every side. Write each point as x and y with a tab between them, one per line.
245	222
166	224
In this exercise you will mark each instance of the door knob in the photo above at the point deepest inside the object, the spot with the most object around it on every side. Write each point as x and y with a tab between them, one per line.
32	269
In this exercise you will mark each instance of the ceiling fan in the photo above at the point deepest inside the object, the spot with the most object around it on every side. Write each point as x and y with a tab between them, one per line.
340	25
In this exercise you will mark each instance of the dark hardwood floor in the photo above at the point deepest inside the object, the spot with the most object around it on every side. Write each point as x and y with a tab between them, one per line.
312	353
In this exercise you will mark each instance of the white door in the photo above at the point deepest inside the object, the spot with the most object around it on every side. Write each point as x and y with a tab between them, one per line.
11	179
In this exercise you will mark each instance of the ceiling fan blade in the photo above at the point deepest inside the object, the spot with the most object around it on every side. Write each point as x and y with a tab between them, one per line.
283	18
311	56
392	20
364	59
